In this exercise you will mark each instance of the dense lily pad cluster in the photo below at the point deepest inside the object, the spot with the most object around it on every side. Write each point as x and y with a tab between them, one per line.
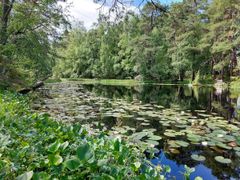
36	147
179	129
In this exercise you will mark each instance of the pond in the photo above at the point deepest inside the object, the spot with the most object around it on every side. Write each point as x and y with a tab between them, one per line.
199	127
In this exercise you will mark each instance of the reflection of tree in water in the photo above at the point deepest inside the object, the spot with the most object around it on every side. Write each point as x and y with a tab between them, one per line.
113	92
184	97
224	105
175	96
237	108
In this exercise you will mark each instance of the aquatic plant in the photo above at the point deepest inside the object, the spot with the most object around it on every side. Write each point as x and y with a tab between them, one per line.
35	146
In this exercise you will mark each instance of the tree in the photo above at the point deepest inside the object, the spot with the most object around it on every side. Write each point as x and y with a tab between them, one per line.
26	31
224	35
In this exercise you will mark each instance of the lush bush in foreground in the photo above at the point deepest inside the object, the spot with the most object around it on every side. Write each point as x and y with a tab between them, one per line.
34	146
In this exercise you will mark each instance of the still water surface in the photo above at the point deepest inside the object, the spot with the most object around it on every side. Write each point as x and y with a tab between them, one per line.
133	109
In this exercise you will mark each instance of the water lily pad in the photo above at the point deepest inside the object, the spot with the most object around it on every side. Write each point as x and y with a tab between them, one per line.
194	137
198	157
169	134
238	153
219	132
166	124
138	135
155	137
181	126
140	119
236	148
222	160
173	144
229	138
152	142
172	133
145	124
222	145
182	143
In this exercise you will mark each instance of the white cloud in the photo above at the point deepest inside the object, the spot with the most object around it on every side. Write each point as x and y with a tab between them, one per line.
86	11
82	10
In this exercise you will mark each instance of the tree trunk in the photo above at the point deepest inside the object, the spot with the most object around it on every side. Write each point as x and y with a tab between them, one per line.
222	74
181	75
193	75
233	60
33	88
6	10
212	70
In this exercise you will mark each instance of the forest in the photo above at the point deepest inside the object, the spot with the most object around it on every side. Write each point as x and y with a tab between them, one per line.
150	92
190	40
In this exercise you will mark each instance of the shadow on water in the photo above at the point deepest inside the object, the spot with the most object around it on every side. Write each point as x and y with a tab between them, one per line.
182	98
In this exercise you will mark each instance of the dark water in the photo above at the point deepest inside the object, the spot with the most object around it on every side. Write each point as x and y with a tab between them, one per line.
184	98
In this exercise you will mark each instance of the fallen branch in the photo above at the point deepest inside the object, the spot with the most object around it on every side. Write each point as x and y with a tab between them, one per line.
33	88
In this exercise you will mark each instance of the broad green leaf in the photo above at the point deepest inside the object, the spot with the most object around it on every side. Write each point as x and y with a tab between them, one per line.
54	147
102	162
72	164
64	145
41	176
55	159
25	176
167	169
117	145
137	164
84	152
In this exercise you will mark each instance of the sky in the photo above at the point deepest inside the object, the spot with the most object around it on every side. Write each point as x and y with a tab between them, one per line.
87	11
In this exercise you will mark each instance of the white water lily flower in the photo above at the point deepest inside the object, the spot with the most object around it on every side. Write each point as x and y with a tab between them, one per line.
151	145
193	120
118	137
220	135
204	143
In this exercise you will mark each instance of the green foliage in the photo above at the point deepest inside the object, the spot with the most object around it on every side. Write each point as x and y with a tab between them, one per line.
26	35
188	172
35	146
191	40
171	45
235	85
121	51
